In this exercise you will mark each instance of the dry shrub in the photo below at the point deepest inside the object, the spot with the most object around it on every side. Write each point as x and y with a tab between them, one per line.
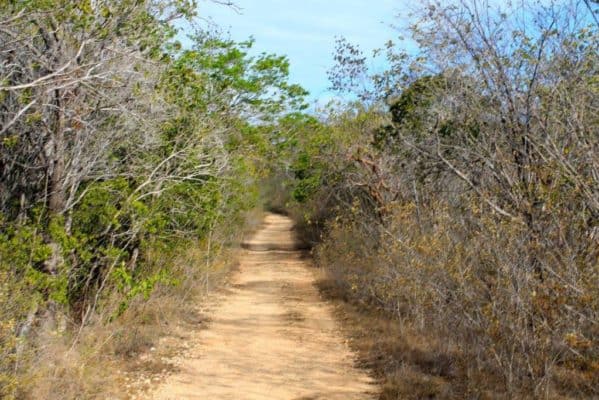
464	278
408	363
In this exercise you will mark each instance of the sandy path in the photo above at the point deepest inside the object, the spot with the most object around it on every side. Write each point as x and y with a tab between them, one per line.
270	336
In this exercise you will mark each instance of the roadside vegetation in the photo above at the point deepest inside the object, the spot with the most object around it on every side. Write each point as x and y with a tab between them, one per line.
129	165
453	204
454	207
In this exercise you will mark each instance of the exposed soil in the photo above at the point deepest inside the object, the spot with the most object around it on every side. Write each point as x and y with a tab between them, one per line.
270	334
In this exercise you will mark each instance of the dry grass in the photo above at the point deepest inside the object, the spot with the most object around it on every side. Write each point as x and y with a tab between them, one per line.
407	364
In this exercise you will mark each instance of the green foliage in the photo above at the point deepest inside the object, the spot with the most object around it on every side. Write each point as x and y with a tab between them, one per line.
23	254
411	112
308	178
255	88
159	148
131	287
99	207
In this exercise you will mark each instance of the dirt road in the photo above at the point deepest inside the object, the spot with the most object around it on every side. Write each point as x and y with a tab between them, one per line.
270	336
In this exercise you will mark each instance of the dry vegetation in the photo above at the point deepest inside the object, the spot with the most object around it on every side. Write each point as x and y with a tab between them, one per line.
465	210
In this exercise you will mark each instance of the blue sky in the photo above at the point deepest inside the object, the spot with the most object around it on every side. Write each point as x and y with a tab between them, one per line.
305	31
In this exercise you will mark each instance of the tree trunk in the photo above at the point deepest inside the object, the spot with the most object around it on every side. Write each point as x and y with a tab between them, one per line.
57	190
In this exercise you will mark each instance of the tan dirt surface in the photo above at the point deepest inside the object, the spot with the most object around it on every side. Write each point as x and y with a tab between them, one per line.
270	335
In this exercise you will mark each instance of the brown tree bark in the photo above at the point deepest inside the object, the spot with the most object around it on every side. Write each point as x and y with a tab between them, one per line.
57	196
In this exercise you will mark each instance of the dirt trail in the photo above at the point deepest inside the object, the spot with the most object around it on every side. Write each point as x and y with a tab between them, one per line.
270	336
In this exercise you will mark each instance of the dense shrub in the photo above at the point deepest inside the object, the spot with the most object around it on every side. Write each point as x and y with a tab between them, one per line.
119	150
463	200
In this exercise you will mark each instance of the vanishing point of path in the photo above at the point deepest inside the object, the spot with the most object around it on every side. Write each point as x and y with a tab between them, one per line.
271	336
